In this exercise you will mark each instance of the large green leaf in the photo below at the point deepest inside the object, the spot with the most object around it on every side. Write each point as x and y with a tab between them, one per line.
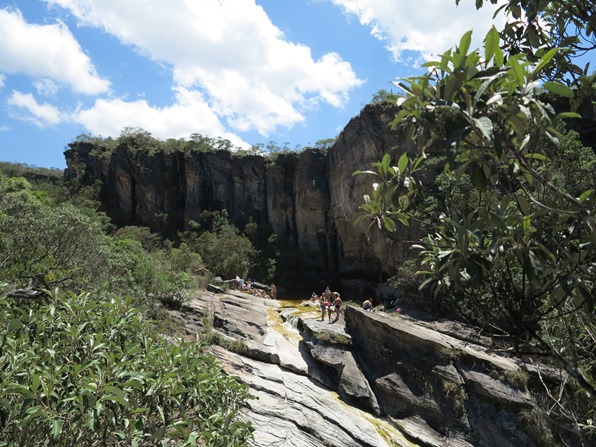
464	43
544	60
558	89
491	43
517	70
402	163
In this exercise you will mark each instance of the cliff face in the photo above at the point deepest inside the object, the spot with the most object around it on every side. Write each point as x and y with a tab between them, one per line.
309	200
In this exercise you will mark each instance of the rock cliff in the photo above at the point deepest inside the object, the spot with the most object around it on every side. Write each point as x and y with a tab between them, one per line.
368	379
309	200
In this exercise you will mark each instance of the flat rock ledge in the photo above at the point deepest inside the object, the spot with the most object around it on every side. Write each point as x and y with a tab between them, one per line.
367	379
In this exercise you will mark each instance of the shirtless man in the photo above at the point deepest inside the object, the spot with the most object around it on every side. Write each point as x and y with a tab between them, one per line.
337	305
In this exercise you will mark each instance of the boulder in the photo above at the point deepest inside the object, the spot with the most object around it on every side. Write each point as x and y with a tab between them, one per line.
442	381
331	346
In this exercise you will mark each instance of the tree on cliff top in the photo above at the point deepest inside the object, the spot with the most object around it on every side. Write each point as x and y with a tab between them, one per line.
518	255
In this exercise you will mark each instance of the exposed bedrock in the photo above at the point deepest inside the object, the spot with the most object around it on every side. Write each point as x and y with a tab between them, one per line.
368	379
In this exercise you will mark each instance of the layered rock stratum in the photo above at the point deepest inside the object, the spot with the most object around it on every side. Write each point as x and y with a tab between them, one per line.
368	379
309	200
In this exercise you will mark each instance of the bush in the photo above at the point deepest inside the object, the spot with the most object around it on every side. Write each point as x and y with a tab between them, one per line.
44	246
76	371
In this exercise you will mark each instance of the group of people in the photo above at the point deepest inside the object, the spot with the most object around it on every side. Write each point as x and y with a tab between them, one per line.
243	285
329	303
259	293
248	287
393	306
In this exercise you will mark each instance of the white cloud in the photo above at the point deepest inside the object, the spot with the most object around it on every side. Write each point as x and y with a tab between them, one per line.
429	27
4	128
2	80
251	74
45	87
42	115
189	114
48	52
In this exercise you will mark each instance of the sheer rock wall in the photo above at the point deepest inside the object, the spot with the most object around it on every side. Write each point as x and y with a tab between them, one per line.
310	200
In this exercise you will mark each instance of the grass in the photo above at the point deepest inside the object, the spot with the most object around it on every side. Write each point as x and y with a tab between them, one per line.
516	379
535	424
334	338
236	346
456	394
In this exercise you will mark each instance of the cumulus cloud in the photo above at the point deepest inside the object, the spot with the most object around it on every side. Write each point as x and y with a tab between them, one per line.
253	77
189	114
2	79
429	27
46	51
26	107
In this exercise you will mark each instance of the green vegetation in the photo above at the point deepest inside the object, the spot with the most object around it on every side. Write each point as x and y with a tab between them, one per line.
506	195
78	371
517	379
534	422
216	338
227	251
45	245
142	141
33	173
456	394
333	338
82	358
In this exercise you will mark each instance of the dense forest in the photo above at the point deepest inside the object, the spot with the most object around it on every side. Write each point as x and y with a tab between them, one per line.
88	355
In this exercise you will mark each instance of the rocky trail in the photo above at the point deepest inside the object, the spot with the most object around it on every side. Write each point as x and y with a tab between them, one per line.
369	379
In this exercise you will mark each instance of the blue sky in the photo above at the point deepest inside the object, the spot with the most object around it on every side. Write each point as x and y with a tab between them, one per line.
292	71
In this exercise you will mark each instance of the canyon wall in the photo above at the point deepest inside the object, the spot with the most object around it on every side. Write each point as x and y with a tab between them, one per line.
310	200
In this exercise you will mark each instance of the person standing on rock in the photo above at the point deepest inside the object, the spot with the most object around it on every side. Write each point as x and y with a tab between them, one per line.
337	305
329	309
323	304
273	291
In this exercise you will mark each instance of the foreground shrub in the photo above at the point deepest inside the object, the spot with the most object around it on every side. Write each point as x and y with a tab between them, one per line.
79	372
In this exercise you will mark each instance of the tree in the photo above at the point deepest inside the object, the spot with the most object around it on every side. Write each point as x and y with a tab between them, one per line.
79	369
224	250
518	257
43	246
325	143
381	96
